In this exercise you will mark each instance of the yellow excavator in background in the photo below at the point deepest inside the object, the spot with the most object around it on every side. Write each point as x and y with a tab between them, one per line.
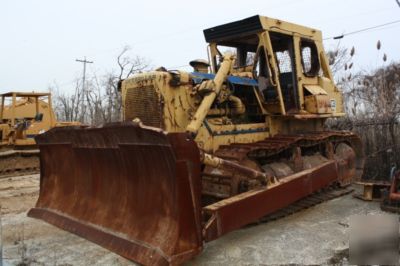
202	153
24	115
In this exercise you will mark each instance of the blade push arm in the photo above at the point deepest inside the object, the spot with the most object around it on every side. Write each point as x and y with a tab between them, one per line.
214	86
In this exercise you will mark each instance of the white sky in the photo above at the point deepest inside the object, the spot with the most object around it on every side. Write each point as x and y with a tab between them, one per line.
41	39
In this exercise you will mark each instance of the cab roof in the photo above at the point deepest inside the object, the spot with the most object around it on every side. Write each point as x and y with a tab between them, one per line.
243	31
25	94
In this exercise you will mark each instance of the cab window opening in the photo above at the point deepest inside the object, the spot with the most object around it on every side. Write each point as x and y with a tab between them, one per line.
283	47
309	58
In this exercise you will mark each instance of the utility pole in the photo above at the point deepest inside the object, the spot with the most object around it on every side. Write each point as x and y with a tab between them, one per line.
84	61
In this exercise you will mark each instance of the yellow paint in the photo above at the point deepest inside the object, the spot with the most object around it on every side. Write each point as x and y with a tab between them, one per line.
184	106
25	107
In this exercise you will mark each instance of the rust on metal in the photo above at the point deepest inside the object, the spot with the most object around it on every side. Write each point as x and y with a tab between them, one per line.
252	205
134	190
391	202
139	192
394	194
343	161
312	200
232	166
343	147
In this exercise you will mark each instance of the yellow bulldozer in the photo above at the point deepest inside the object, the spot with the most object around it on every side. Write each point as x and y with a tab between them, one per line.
24	115
199	154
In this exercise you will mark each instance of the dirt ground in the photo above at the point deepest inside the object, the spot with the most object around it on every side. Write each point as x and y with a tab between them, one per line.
34	242
318	235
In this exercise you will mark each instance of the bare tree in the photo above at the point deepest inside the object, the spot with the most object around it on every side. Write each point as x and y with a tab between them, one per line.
372	101
68	107
102	98
126	67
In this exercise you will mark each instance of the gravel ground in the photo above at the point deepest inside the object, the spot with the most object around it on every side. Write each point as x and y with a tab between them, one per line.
318	235
315	236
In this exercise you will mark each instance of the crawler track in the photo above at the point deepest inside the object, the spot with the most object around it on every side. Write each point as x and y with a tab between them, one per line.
310	201
287	150
279	143
17	162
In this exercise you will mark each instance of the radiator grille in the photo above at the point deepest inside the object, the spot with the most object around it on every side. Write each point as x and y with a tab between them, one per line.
144	103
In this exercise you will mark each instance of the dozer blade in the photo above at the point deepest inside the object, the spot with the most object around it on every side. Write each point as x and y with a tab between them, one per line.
131	189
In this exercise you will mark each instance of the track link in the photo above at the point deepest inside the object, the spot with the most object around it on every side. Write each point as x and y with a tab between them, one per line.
280	149
18	162
279	143
310	201
19	171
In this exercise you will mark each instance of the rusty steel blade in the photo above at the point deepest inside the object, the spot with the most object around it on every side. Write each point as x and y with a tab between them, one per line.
256	203
131	189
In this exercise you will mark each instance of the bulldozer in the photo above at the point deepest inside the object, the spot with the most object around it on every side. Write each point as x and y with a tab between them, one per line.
24	115
200	154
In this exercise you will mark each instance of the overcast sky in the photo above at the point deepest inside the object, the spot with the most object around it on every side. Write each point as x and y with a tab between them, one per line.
41	39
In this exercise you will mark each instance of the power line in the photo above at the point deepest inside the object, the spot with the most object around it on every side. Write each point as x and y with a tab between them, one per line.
362	30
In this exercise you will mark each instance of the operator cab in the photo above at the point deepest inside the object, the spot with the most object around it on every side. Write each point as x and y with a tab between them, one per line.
282	57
